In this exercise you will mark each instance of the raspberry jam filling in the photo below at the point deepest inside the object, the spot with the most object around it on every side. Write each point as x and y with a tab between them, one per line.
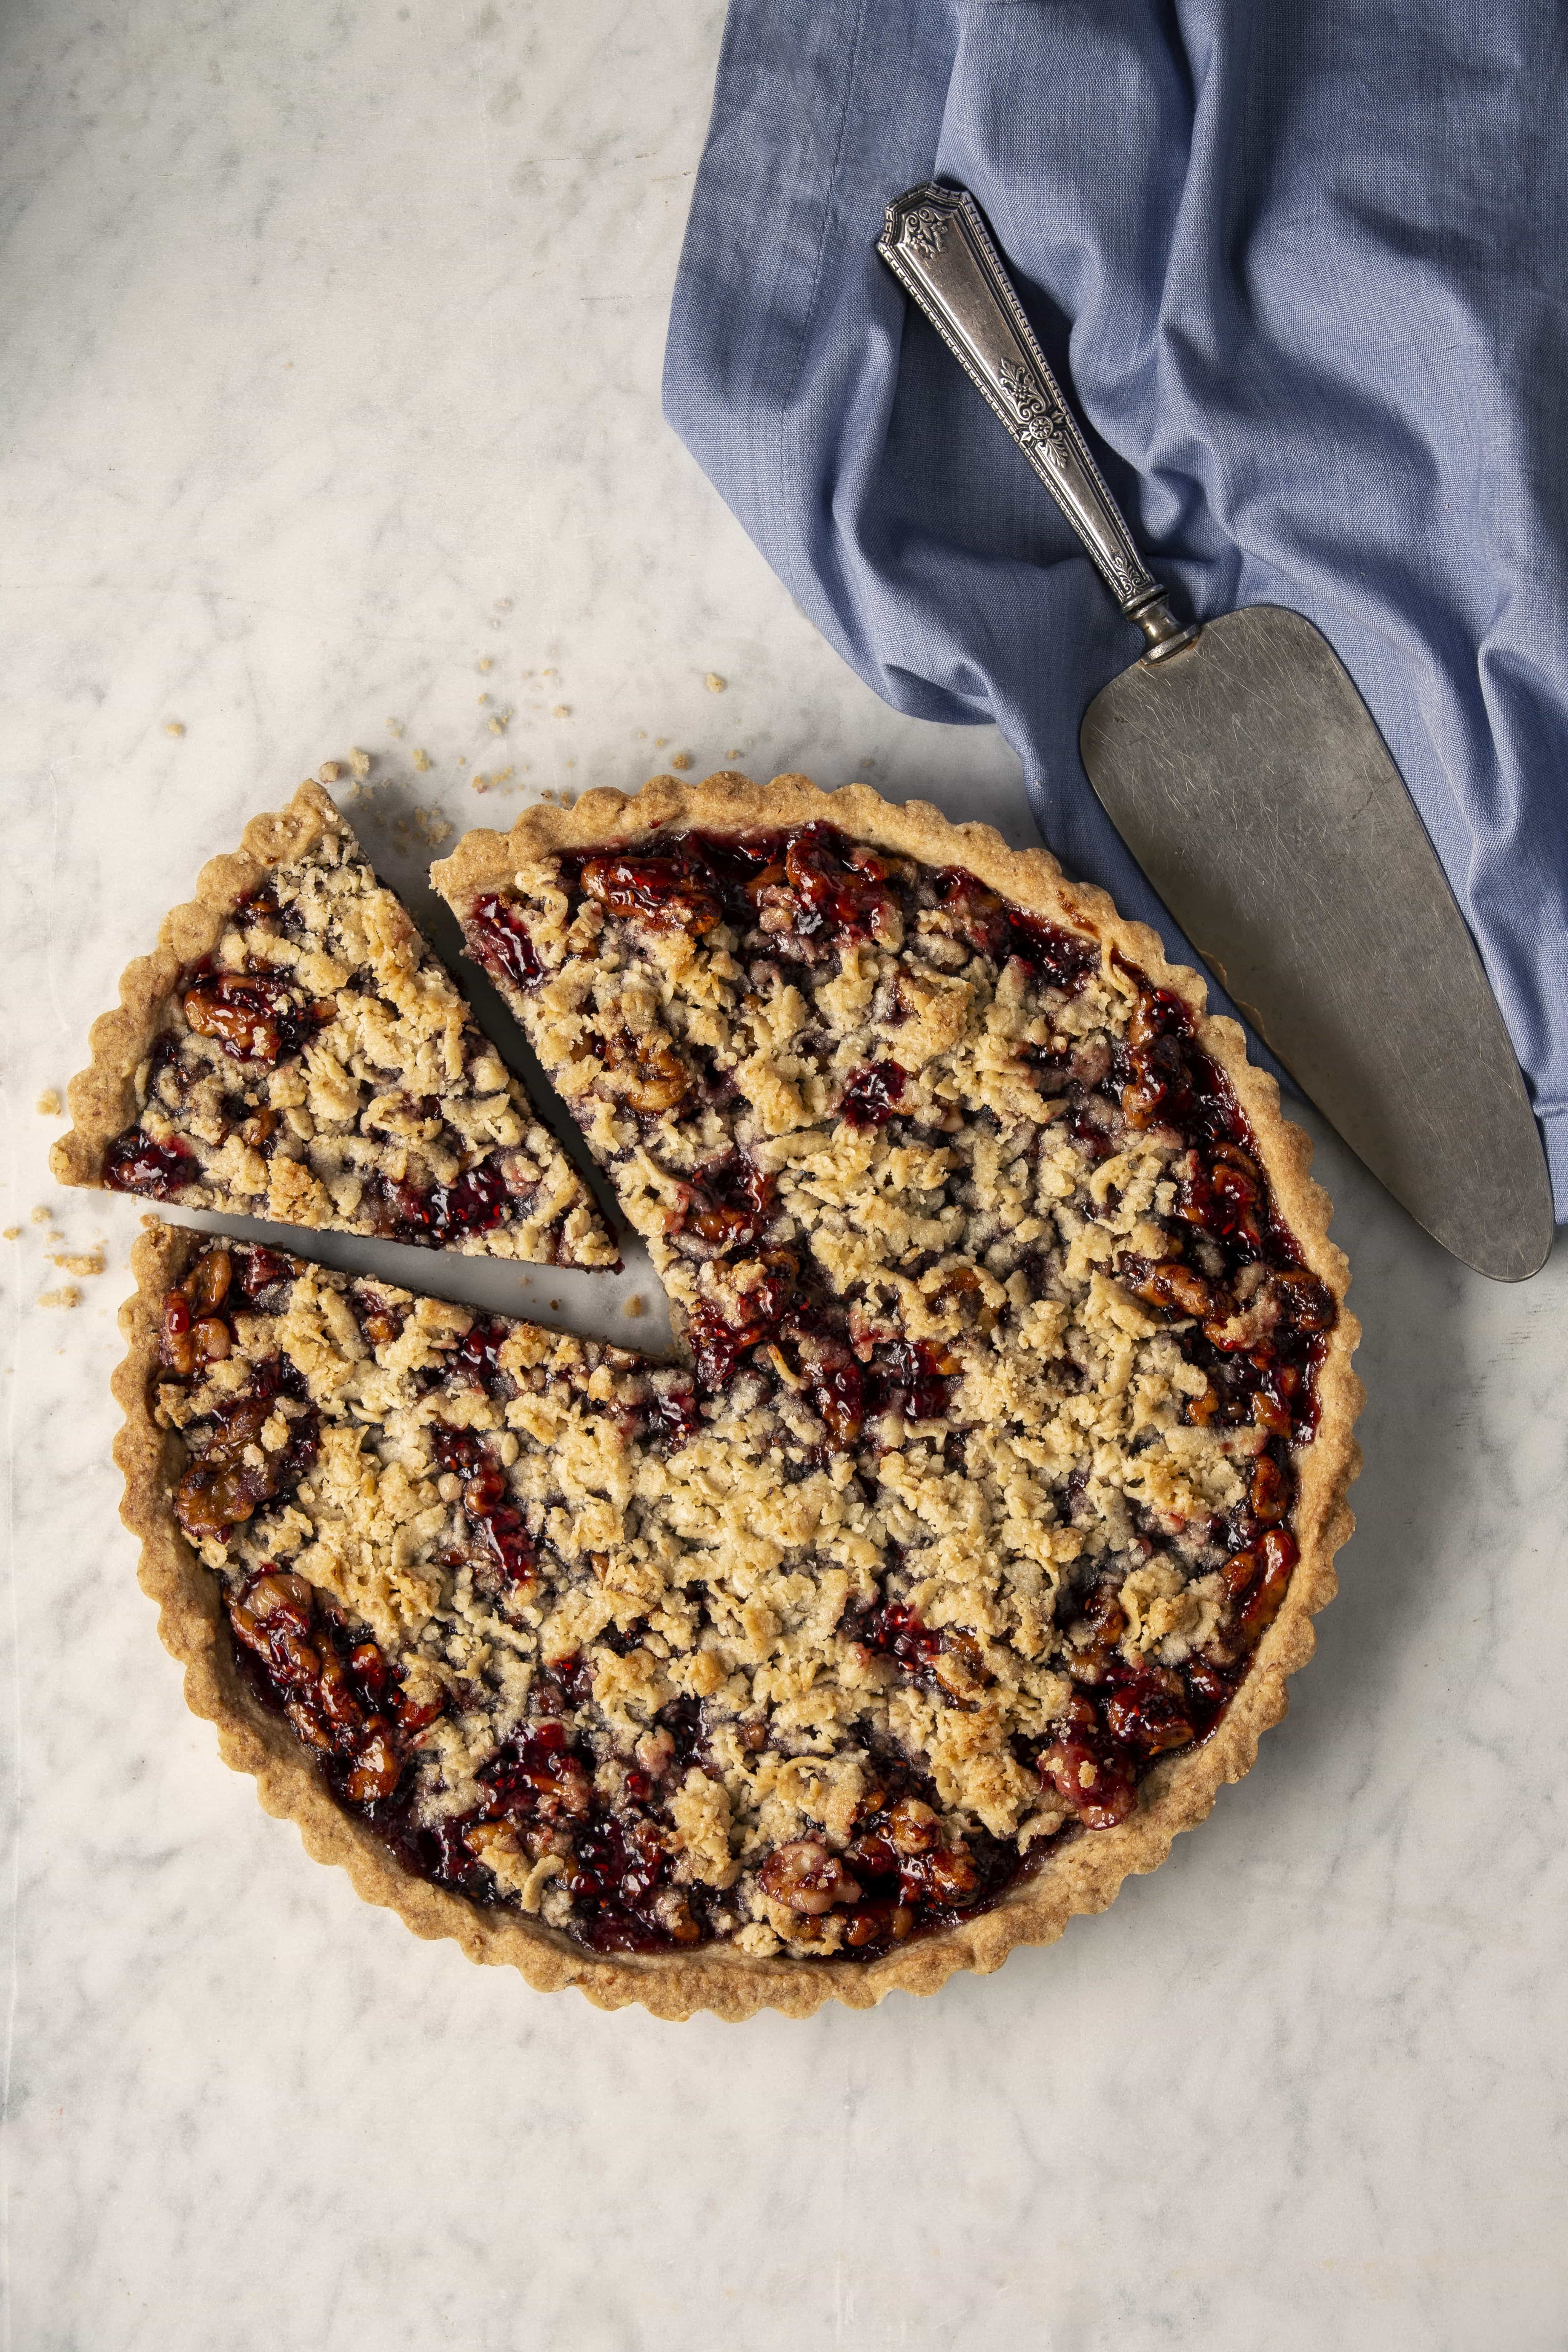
568	1811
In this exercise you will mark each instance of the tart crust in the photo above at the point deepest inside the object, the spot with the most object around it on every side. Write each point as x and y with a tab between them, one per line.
103	1099
1082	1874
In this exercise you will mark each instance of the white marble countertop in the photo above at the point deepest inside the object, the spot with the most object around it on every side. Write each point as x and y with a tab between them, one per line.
331	347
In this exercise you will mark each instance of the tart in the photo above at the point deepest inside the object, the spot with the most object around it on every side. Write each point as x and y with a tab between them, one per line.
293	1050
964	1559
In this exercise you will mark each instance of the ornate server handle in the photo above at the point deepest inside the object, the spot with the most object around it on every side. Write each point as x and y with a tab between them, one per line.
937	245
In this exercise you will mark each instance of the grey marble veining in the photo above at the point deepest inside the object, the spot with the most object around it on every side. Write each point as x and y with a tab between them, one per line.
331	357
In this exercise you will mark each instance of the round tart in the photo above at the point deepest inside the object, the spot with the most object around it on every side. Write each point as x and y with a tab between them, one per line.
966	1555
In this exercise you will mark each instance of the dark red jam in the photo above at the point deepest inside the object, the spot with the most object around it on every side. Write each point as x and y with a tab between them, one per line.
501	941
475	1202
487	1501
871	1095
134	1163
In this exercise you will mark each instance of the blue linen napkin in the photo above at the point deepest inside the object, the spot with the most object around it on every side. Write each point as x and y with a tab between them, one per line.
1302	263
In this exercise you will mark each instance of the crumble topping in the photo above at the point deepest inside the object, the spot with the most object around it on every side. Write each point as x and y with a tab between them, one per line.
322	1070
973	1502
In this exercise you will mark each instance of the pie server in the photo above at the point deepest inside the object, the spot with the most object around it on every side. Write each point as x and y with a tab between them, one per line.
1245	773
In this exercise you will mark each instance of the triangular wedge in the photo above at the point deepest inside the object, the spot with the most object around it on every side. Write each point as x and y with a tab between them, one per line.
294	1050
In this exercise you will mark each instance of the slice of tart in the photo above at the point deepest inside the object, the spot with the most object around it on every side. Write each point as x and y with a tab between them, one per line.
964	1562
294	1050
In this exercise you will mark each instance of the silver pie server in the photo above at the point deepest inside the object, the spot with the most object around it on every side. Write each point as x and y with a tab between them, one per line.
1246	776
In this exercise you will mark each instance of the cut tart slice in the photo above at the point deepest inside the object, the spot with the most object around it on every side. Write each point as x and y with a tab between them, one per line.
294	1050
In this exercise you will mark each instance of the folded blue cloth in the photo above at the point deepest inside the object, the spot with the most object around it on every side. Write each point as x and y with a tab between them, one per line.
1302	263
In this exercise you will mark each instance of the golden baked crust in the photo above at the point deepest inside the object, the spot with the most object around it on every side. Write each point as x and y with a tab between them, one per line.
389	1100
1081	1873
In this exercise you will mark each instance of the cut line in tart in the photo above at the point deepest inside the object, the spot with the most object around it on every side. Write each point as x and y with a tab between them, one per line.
295	1050
965	1559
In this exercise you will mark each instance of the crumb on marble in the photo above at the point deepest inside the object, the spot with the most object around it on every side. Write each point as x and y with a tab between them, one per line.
498	723
395	726
13	1233
422	761
42	1216
503	604
331	771
67	1295
83	1262
485	662
560	711
360	762
173	727
681	760
48	1103
635	1305
714	683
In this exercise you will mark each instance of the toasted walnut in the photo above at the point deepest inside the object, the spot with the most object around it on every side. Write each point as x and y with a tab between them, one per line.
809	1877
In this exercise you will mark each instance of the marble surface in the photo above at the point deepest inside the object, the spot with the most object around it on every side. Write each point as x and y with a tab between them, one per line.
330	362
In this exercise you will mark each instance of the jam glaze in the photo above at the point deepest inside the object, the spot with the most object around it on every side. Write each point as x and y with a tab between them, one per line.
561	1795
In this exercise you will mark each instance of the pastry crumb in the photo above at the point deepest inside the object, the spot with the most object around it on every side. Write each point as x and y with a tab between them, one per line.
41	1216
635	1305
83	1262
681	760
173	727
422	761
48	1103
498	723
13	1233
395	726
67	1295
360	762
485	662
562	710
331	771
714	683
